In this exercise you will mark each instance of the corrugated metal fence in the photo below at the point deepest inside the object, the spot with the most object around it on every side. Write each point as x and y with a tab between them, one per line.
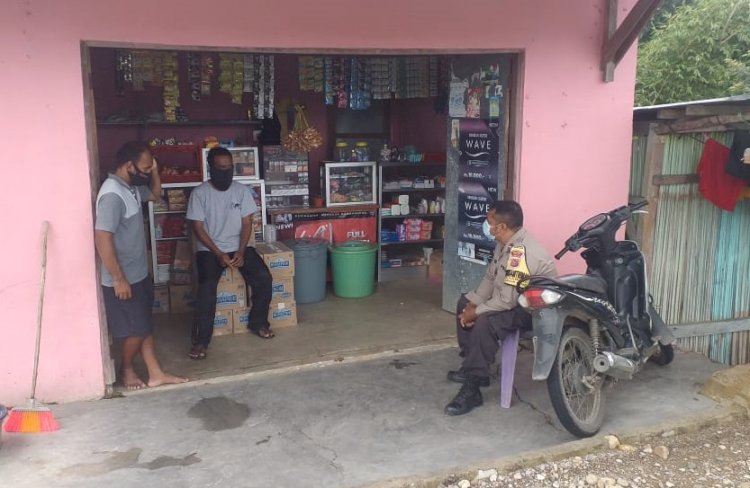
701	254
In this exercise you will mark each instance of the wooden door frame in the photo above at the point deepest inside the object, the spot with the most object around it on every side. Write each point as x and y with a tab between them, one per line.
92	147
512	124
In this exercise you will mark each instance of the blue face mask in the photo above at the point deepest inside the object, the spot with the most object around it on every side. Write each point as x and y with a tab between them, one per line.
486	231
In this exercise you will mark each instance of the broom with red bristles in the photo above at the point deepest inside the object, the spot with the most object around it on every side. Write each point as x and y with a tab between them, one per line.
34	417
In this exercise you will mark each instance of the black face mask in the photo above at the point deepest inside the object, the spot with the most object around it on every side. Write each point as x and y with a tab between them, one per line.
139	178
221	178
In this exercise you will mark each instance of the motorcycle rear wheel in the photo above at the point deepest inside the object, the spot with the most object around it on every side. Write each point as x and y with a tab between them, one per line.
664	356
578	404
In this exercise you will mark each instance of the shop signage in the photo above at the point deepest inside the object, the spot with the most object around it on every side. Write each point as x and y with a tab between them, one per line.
335	227
477	142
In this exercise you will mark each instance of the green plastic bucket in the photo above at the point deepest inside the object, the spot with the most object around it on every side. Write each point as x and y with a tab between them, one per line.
310	256
353	264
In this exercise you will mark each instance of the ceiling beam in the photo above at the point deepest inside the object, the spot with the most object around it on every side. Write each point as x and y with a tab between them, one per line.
617	44
610	28
670	113
705	110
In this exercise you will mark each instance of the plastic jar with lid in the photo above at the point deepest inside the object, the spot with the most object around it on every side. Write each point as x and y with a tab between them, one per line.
363	151
342	151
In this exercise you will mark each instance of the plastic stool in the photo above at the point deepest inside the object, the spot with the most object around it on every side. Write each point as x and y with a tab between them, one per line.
508	368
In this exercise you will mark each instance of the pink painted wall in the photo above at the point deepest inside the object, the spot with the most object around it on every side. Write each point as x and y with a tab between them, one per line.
574	142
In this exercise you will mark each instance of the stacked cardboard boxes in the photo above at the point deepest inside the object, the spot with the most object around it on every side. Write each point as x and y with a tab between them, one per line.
231	298
283	310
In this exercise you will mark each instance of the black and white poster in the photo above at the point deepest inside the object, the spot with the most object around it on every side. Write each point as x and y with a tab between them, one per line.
477	143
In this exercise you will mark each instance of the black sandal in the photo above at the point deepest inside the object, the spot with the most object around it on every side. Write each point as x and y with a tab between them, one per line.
263	333
197	352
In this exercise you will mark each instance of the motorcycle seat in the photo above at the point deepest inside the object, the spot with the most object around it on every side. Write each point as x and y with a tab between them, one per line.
592	283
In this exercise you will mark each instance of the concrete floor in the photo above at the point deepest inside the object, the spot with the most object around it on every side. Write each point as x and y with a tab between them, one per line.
401	314
343	425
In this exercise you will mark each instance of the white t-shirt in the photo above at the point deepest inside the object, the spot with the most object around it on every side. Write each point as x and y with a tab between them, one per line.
221	213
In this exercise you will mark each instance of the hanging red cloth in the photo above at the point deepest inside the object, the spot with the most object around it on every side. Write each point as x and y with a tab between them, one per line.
715	184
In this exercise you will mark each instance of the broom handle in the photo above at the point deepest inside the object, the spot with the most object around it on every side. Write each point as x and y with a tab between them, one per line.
45	229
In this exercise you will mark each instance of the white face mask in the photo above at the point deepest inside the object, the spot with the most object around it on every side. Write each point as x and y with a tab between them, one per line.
486	230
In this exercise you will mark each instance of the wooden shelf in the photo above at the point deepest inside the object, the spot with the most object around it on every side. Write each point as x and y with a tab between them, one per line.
411	265
182	185
171	238
428	241
412	216
413	190
407	164
175	149
185	123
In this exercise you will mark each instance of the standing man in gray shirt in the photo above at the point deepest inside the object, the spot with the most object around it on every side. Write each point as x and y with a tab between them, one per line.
222	214
120	240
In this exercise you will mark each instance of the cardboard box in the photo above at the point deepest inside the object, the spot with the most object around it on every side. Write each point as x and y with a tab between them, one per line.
223	322
230	296
278	258
240	320
283	314
227	275
237	277
183	256
282	290
161	300
163	272
181	298
435	267
165	252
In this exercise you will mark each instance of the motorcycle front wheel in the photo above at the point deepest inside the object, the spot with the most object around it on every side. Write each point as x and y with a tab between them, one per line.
575	389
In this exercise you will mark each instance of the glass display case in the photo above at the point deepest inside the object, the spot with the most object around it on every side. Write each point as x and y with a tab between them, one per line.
245	159
169	235
350	183
287	178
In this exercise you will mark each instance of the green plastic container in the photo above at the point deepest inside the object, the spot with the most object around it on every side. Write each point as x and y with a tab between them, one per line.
353	264
310	256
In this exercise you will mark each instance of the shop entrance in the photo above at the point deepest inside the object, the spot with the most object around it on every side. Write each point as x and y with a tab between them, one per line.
385	161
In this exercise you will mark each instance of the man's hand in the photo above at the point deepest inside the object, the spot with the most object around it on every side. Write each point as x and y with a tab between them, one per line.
468	316
122	289
224	260
239	259
155	168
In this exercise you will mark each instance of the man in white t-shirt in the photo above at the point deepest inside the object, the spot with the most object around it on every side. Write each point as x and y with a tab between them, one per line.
222	214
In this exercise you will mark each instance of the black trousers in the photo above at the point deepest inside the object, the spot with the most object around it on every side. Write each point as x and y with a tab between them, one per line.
479	344
257	277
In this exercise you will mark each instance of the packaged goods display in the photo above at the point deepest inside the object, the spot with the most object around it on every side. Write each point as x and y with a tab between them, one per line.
412	213
350	183
287	178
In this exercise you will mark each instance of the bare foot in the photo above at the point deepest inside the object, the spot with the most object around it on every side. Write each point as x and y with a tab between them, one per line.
131	381
165	379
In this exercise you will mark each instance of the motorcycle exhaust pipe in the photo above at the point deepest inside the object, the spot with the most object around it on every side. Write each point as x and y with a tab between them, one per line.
614	365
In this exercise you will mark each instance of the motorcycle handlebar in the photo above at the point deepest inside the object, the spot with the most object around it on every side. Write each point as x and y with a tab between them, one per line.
617	215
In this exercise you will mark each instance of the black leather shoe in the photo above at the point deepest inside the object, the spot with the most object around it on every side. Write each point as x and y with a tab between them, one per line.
459	376
468	398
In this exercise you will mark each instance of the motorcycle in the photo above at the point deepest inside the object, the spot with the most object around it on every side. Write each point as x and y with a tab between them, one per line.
594	328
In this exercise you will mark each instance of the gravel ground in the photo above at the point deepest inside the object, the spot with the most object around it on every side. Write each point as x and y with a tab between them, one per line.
717	456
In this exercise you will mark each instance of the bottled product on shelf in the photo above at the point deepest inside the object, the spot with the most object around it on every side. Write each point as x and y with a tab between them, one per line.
411	219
